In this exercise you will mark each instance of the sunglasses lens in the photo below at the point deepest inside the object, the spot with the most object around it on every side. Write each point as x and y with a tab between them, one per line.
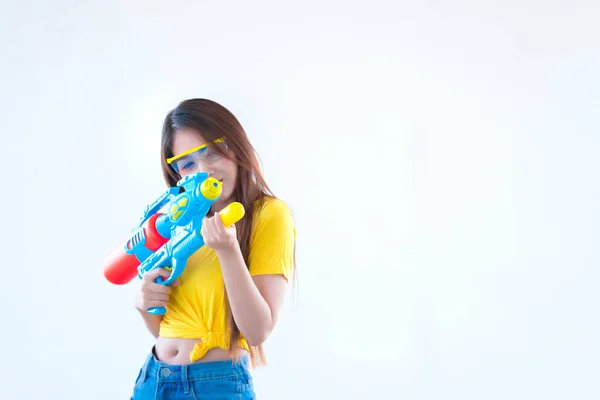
184	165
206	155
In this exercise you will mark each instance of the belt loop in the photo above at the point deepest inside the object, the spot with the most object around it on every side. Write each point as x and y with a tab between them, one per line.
186	383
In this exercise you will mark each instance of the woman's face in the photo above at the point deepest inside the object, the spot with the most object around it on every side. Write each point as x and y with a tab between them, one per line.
204	160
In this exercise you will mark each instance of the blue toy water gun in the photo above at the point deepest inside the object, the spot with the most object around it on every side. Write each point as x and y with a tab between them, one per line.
167	240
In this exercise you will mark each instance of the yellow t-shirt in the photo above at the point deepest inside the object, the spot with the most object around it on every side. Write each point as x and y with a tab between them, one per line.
197	307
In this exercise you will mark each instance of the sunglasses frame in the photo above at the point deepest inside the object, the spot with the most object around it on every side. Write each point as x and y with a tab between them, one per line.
192	150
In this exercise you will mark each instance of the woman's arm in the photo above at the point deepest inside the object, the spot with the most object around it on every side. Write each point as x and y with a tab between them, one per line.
152	322
255	302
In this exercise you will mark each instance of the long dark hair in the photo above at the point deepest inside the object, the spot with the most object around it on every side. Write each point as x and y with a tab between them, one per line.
214	121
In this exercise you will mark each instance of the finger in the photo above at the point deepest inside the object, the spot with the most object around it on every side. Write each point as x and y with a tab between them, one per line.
207	230
175	283
158	297
205	227
159	288
232	228
155	273
211	223
218	222
156	303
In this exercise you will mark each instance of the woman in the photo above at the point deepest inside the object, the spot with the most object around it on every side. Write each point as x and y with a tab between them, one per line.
228	299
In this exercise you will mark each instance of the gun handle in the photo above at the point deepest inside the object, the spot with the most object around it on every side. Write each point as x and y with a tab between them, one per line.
158	310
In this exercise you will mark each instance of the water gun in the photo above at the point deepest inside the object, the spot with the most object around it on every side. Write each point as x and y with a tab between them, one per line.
167	239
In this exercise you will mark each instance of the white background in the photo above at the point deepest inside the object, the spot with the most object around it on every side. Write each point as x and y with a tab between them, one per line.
440	158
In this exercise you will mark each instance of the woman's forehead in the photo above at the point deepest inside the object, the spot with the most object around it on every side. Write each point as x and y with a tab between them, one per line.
185	139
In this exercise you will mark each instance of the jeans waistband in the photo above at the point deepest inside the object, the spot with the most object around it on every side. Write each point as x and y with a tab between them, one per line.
164	372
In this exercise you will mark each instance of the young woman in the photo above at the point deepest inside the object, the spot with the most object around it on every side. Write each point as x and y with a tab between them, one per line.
227	301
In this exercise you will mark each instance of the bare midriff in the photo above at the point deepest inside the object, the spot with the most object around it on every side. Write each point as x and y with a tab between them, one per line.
177	351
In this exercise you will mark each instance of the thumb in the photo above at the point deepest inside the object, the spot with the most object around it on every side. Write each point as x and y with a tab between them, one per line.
175	283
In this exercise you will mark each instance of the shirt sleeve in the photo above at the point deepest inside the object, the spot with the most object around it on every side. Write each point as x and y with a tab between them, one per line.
273	240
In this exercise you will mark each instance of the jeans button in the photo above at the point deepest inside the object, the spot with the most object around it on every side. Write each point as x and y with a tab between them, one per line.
166	372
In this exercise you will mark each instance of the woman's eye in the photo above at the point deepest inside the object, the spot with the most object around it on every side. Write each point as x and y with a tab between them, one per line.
188	165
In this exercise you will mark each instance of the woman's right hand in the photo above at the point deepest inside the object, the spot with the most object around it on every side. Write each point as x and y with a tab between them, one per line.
152	294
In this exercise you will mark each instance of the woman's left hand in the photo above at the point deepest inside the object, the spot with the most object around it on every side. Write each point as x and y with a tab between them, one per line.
216	235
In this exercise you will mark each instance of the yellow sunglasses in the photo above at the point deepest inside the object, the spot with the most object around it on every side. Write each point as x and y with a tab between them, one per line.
188	160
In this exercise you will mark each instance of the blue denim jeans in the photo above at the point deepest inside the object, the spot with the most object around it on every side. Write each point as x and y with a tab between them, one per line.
210	380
